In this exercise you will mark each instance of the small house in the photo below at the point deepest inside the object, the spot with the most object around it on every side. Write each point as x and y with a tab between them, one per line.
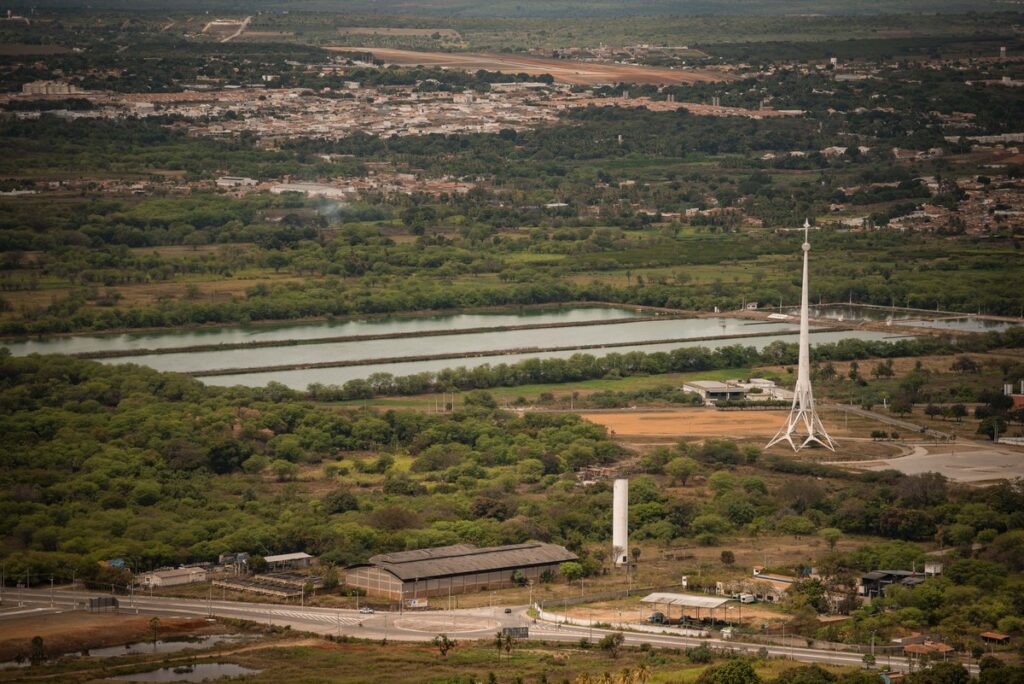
874	583
712	391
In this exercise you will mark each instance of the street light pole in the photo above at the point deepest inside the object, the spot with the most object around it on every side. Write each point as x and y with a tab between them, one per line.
51	591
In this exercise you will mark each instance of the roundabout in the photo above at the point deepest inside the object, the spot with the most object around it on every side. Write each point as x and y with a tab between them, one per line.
447	624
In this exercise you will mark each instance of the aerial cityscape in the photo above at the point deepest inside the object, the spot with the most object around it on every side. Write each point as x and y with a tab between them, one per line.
521	342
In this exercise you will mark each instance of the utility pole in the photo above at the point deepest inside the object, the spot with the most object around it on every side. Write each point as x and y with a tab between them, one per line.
51	591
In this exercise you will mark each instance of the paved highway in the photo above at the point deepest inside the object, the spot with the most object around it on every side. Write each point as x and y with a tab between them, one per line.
471	623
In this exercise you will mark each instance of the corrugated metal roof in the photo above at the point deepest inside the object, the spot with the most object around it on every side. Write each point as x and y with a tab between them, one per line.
688	600
463	559
284	557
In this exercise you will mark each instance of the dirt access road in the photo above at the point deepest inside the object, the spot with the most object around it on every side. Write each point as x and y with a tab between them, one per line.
564	71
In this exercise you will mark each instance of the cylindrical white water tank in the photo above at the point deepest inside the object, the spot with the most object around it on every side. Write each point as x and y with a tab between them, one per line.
620	522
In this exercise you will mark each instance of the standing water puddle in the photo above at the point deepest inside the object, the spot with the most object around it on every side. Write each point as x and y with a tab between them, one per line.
187	673
172	645
166	645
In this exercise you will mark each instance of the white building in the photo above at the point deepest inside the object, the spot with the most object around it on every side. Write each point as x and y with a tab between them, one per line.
712	391
171	578
49	88
235	182
310	190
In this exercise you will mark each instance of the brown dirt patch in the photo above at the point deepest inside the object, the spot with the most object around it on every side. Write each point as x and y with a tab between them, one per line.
380	31
73	632
564	71
697	422
632	611
20	49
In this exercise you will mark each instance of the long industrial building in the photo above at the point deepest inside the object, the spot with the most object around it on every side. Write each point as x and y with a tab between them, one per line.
454	569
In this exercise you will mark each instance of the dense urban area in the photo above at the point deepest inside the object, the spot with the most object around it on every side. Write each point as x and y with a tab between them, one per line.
380	341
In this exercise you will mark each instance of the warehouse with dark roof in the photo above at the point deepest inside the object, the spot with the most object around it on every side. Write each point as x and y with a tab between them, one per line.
454	569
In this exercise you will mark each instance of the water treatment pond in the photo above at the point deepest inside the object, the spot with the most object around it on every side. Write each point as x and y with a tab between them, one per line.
284	332
301	379
468	340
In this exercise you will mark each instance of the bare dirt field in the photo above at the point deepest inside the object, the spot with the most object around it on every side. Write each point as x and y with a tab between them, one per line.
692	107
582	73
633	611
695	422
451	34
75	631
18	49
642	430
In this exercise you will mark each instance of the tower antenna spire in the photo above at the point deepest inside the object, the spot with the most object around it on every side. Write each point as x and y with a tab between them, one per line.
803	427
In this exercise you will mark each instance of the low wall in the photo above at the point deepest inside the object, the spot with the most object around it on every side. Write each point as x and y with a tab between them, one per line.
633	627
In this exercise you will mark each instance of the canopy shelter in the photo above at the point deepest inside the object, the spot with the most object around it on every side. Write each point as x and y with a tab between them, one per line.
689	605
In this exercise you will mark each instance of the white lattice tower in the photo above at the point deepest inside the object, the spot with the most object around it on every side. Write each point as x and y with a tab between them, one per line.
803	426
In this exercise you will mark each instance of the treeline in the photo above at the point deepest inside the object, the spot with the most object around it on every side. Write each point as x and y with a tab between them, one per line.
984	529
112	461
122	461
105	225
581	367
83	147
331	297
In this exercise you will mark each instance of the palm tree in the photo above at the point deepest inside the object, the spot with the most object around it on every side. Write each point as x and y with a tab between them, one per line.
643	673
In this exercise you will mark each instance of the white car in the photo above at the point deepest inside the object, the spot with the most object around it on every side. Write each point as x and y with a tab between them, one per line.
366	611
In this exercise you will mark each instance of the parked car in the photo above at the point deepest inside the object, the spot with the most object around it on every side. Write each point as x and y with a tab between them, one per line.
656	618
508	611
366	610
